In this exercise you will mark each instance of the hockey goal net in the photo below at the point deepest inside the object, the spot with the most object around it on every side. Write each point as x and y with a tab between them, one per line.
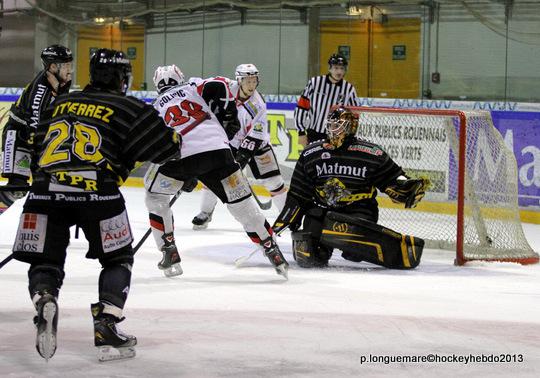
472	205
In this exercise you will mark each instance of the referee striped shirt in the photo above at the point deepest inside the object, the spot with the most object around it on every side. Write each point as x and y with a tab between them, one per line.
317	99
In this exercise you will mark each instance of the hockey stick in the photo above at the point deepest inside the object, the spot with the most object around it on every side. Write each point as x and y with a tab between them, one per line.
6	260
262	205
241	260
149	231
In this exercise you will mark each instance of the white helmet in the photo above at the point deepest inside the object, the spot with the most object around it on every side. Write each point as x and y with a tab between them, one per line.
167	77
245	70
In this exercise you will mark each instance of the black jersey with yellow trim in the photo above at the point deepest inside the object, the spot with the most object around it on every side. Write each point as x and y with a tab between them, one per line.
345	178
108	133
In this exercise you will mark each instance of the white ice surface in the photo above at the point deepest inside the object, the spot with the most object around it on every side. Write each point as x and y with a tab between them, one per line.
218	320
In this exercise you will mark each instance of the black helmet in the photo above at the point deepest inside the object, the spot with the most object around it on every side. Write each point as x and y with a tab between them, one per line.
111	70
55	54
337	59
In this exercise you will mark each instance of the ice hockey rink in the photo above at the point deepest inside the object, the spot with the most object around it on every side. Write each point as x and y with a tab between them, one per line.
217	320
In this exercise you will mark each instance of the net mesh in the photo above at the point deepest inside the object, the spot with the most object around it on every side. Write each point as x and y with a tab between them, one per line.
427	145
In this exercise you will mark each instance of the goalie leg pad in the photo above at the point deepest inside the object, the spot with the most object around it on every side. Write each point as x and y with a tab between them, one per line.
307	252
362	240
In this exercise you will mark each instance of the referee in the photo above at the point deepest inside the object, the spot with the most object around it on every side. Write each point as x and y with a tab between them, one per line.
318	97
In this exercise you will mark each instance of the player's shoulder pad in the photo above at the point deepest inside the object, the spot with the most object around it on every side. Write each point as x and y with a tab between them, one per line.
313	147
364	146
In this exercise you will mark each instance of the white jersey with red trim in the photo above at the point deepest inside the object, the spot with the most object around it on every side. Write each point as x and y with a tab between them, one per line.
183	109
227	85
252	117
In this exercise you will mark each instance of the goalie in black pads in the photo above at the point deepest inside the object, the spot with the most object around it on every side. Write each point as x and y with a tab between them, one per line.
84	149
333	196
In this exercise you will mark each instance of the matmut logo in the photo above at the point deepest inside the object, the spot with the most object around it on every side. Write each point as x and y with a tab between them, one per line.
342	170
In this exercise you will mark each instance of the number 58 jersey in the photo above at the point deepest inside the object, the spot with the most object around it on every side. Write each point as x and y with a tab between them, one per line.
186	111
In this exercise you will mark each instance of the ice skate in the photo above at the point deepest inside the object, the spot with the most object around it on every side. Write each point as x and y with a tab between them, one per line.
46	322
170	263
271	250
112	344
200	222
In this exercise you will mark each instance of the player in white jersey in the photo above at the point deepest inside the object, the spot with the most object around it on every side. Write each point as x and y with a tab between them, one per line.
250	145
197	111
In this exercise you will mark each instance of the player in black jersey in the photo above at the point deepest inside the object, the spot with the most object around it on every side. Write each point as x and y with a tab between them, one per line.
25	115
333	190
84	149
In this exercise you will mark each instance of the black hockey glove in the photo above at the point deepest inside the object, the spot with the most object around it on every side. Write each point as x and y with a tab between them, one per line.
231	125
408	191
242	158
247	150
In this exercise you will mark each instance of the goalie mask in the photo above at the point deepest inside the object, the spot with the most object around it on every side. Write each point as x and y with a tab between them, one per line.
167	77
340	124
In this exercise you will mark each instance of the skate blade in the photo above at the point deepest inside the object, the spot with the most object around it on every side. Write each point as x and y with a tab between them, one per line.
46	340
174	270
198	227
283	270
110	353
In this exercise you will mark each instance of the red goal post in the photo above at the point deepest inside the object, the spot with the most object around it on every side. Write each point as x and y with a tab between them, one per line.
472	205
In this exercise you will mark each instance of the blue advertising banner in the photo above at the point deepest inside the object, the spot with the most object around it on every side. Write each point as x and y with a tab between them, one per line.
521	133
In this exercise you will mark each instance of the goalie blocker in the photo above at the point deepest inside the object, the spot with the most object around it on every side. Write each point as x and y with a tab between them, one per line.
360	240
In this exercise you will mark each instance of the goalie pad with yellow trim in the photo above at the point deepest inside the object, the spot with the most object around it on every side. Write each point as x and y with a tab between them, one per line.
307	251
362	240
408	191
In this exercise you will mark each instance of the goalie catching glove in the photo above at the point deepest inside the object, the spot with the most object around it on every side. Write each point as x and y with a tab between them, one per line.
408	191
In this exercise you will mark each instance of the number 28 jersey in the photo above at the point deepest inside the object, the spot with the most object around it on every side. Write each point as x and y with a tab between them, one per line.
186	111
88	138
